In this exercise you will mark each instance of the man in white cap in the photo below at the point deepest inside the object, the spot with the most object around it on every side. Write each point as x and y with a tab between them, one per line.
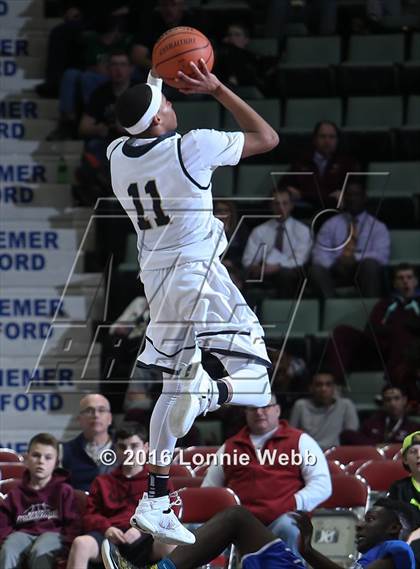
163	181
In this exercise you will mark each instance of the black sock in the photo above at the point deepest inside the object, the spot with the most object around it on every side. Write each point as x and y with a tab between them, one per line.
157	485
223	392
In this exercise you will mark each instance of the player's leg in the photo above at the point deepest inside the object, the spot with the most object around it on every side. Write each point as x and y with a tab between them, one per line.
153	513
244	384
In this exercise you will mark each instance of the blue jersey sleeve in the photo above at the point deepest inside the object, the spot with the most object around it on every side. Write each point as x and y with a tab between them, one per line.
400	552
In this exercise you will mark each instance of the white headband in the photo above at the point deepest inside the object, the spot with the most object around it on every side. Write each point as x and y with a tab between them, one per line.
145	121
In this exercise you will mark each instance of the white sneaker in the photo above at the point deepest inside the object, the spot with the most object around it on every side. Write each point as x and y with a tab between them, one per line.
197	397
155	516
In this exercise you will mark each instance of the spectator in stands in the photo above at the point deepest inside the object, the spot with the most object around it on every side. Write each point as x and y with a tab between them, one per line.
110	504
351	247
237	235
153	23
98	127
77	85
320	17
380	538
98	121
324	415
64	49
277	249
393	327
389	425
235	64
408	489
270	489
81	456
328	166
39	517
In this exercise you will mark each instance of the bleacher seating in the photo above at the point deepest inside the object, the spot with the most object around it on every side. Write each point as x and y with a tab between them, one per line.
363	387
380	474
391	450
308	66
353	466
181	470
11	470
9	455
277	317
195	455
371	65
179	482
350	311
405	247
346	454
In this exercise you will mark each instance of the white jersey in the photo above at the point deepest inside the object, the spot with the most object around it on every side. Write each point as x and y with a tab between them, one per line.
164	185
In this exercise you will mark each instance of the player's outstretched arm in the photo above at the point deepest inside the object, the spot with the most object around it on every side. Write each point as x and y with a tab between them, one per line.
260	137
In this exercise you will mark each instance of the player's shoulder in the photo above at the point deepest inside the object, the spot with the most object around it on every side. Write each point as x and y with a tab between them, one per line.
207	135
113	145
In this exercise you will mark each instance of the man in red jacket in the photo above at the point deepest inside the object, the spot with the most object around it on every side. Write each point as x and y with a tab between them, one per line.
111	500
39	518
274	469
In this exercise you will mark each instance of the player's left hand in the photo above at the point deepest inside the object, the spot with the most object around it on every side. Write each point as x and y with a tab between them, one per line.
132	535
306	529
201	81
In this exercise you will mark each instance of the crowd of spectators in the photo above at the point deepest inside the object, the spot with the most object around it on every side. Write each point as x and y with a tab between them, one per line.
90	62
286	470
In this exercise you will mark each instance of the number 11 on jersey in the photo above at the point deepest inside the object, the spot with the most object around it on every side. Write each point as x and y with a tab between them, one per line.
160	217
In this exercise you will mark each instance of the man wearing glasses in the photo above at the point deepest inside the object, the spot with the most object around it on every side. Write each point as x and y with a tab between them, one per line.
285	470
81	456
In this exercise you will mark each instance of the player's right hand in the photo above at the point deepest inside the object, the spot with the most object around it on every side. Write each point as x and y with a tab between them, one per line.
202	81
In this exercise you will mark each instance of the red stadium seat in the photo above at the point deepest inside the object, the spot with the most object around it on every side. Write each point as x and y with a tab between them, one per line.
348	491
81	499
11	470
200	504
201	470
397	455
346	454
7	485
186	481
391	450
195	456
354	465
9	455
181	470
335	467
380	474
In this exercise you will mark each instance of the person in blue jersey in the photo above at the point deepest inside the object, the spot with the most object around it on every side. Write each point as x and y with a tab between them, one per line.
379	540
163	181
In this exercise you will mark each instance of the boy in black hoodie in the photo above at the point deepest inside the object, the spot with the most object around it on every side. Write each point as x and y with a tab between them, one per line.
39	518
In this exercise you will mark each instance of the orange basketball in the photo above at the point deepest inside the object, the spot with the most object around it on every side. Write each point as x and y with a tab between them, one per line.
175	49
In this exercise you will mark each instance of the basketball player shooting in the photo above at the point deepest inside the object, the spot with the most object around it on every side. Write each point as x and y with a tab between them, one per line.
163	181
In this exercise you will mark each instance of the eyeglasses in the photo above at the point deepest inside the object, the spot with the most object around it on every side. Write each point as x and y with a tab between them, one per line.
93	410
